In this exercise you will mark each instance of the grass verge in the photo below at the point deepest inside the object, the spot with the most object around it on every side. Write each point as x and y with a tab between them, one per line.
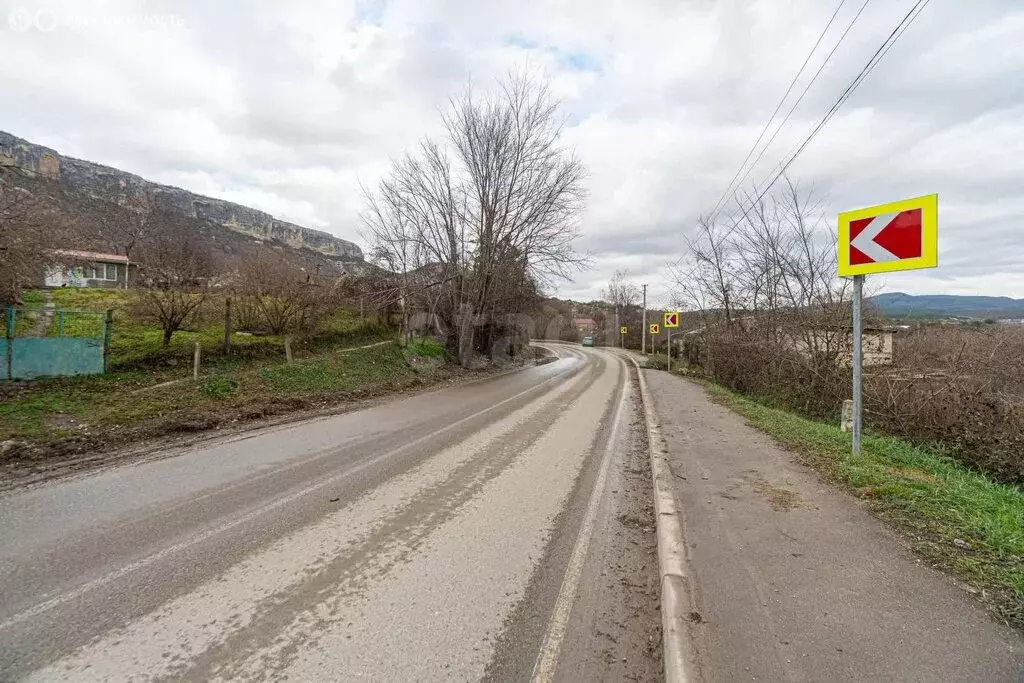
957	519
121	403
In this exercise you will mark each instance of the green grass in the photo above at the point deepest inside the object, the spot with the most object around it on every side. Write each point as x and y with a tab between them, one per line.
426	347
928	496
32	298
324	371
337	372
254	373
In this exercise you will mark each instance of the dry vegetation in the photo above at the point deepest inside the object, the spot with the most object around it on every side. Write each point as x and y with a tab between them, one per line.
776	321
28	236
959	385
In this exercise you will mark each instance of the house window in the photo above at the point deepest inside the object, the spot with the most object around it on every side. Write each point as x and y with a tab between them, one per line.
100	271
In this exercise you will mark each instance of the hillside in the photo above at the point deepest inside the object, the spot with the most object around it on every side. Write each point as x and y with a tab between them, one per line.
898	304
93	198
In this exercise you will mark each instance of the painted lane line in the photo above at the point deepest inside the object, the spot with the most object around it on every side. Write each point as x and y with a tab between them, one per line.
547	658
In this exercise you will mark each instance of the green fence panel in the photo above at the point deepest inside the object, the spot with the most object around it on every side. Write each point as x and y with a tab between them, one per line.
55	357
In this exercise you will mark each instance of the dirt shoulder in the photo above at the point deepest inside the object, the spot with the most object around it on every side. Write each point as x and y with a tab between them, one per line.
796	580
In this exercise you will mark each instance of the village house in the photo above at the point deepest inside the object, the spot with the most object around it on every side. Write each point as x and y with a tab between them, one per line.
73	268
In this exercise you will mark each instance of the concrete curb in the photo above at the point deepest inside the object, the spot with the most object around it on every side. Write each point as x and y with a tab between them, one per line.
672	562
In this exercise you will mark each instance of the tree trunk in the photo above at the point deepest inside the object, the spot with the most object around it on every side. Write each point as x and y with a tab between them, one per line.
167	337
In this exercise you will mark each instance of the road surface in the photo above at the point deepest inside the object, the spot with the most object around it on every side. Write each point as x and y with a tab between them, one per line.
498	530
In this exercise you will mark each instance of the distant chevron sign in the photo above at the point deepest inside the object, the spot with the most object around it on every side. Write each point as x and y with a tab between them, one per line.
898	236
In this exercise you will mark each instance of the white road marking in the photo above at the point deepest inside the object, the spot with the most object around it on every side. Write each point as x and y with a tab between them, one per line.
865	241
75	593
547	658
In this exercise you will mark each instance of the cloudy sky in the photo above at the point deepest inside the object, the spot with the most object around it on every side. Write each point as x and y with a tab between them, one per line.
287	106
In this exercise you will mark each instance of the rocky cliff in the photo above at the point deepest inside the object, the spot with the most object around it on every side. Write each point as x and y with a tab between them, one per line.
125	189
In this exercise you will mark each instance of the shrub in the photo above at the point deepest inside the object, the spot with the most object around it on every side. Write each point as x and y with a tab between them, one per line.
425	346
960	386
219	387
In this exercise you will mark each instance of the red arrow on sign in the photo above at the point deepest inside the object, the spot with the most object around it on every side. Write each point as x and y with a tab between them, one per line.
887	237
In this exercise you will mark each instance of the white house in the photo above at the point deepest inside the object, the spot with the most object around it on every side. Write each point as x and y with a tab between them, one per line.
89	269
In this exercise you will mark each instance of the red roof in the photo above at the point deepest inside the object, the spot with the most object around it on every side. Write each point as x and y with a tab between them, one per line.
585	322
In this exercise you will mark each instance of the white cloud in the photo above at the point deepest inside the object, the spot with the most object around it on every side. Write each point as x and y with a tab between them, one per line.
288	106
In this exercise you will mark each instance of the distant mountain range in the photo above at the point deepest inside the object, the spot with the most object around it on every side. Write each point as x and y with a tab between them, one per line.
900	305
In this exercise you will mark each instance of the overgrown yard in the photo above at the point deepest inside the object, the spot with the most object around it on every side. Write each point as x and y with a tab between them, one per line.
958	519
150	392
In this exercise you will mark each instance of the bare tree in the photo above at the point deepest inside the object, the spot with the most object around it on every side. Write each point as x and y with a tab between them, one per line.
499	192
624	297
29	235
130	227
175	271
285	297
765	281
620	292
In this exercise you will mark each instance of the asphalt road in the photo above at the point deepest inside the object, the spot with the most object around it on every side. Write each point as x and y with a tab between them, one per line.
497	530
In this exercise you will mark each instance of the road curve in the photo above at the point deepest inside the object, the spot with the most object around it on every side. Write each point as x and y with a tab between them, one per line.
397	542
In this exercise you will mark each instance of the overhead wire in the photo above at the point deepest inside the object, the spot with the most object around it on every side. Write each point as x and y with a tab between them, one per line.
800	99
778	107
870	66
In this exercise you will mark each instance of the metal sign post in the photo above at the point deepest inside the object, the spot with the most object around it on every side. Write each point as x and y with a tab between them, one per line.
858	358
890	237
670	320
668	349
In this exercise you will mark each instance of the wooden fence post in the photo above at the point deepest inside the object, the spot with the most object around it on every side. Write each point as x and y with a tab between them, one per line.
9	335
195	361
108	326
227	324
288	348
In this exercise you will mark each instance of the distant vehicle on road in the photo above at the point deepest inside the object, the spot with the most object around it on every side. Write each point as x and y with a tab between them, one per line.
587	341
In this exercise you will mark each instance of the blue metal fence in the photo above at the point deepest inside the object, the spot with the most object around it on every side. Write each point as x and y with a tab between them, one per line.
53	348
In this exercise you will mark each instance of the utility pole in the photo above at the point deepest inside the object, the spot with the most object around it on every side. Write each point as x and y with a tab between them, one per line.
617	326
643	325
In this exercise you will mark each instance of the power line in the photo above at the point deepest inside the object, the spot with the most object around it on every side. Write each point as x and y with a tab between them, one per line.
771	118
792	109
883	49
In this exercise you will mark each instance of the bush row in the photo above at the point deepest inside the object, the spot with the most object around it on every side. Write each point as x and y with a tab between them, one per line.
960	397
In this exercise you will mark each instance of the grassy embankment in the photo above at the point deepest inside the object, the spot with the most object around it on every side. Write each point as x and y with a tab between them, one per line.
959	520
149	390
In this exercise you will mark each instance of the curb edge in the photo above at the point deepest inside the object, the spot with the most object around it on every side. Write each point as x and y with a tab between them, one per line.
677	651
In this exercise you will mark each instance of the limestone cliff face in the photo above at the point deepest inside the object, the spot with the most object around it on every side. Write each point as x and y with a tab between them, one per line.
111	184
